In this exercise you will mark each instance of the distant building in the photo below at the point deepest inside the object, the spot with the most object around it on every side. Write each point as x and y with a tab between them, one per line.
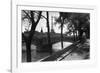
41	30
52	30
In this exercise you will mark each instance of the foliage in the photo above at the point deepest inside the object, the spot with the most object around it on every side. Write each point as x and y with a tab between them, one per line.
76	22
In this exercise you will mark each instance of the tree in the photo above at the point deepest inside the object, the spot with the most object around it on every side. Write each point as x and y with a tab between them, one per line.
34	19
78	23
81	23
62	22
49	40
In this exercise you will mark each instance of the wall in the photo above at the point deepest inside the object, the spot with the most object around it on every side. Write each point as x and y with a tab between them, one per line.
5	34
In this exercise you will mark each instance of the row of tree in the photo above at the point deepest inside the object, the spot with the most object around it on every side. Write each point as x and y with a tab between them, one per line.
34	18
78	22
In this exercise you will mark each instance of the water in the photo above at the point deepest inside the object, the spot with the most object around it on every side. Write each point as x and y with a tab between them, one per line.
57	46
37	55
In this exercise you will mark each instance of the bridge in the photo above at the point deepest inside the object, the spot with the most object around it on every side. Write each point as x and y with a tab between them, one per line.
42	43
41	40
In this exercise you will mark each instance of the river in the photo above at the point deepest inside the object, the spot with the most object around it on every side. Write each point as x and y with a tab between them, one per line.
36	56
39	55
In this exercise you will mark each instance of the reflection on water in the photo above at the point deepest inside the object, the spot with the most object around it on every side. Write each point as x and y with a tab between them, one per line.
39	55
57	46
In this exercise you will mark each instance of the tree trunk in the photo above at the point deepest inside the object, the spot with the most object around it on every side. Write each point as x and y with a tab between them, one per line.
28	50
28	47
74	35
80	35
28	39
49	40
62	34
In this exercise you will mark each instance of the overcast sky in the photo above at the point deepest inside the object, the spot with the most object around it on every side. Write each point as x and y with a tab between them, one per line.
42	23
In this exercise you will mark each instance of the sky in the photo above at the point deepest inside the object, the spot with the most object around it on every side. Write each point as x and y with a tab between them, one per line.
42	23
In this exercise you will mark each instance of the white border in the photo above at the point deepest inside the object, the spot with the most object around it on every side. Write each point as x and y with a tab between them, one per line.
18	66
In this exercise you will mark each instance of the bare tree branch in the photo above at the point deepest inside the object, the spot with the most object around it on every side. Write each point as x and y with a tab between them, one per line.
41	15
27	14
38	17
